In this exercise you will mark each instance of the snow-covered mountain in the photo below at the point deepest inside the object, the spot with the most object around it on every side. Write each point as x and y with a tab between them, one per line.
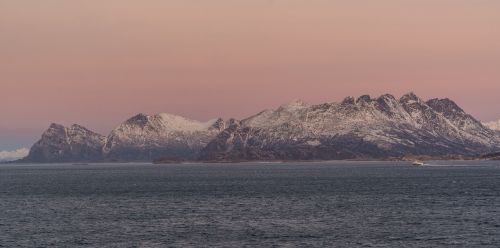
354	128
495	125
67	144
161	136
362	128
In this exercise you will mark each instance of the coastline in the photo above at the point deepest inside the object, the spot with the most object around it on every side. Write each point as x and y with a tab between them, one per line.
278	161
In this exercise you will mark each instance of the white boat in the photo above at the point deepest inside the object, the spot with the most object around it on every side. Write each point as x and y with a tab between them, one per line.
417	163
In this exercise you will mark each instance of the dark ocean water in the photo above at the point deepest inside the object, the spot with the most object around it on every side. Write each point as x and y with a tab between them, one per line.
331	204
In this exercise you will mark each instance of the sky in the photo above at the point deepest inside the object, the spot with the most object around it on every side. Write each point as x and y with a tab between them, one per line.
99	62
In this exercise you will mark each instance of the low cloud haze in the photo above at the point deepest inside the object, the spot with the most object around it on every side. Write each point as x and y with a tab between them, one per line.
13	155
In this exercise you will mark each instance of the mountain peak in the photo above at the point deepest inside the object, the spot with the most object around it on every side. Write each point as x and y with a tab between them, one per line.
386	97
348	101
78	127
410	98
444	105
166	121
364	99
61	144
386	103
219	124
160	136
56	126
140	118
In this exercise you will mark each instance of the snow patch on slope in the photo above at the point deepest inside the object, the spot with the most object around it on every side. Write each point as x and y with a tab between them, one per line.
179	123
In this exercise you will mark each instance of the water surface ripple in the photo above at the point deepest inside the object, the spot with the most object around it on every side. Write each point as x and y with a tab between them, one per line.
339	204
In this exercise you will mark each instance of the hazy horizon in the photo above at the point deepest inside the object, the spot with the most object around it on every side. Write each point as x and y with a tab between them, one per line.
97	63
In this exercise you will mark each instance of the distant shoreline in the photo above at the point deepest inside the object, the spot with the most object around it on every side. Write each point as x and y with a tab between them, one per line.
160	162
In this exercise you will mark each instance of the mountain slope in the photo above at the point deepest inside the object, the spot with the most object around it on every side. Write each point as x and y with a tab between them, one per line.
66	144
355	128
162	136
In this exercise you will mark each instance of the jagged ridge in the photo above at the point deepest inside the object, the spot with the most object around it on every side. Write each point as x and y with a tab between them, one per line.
355	128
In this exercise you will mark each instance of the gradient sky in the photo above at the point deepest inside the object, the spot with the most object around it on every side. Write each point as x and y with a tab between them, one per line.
98	62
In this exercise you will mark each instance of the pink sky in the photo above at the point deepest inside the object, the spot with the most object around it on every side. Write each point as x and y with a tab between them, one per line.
99	62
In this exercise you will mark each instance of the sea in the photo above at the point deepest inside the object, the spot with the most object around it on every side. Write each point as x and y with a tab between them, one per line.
313	204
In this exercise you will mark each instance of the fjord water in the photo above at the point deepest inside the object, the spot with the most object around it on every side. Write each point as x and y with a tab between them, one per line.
341	204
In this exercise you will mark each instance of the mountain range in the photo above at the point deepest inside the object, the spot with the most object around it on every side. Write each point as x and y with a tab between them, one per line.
356	128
